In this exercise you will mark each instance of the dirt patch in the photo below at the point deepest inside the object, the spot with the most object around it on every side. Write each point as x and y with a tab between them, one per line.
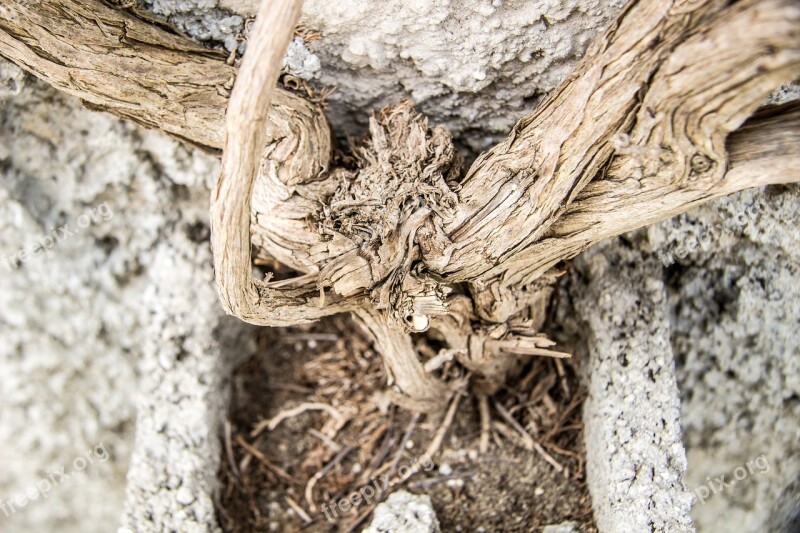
335	437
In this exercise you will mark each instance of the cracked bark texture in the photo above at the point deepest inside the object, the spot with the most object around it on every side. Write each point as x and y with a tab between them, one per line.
138	71
517	191
468	234
629	125
642	123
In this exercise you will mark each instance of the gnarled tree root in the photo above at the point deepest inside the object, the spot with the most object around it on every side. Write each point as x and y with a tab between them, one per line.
649	125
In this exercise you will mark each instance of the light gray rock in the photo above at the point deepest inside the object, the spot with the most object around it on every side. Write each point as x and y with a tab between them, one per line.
117	315
69	316
300	62
785	93
183	396
201	19
406	512
564	527
635	458
476	66
12	79
735	308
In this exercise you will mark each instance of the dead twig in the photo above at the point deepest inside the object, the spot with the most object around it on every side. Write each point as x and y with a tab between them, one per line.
439	479
486	423
273	422
528	441
406	436
326	440
266	461
229	450
299	510
436	443
309	491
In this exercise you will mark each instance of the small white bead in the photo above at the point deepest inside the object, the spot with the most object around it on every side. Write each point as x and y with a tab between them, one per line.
419	322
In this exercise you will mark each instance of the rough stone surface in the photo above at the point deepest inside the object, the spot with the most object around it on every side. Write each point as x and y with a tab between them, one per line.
300	62
785	93
564	527
12	79
120	315
205	21
463	62
201	19
735	308
183	394
403	511
635	458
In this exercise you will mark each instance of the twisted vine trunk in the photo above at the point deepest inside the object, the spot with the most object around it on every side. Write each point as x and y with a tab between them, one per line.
649	125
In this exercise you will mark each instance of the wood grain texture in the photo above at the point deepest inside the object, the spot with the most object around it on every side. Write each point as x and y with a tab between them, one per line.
252	300
765	151
417	390
672	153
649	125
117	63
675	85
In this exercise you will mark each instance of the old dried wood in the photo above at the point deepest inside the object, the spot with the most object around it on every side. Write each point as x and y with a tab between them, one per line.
649	125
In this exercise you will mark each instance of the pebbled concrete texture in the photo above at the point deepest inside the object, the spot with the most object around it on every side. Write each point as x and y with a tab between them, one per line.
403	511
727	312
183	394
734	309
635	459
12	79
120	317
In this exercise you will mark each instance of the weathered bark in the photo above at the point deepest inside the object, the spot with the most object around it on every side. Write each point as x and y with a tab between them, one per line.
764	151
254	300
639	132
655	130
418	390
120	64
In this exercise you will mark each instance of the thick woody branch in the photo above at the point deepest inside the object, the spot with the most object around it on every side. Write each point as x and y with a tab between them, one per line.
678	83
515	191
765	151
418	390
120	64
674	156
640	132
253	300
512	195
650	106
